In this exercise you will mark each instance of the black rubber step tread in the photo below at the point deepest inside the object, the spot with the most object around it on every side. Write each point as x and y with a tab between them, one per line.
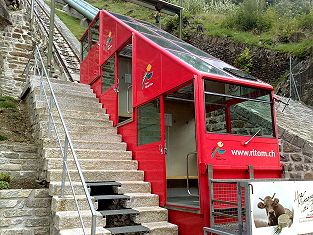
128	229
111	197
119	212
104	183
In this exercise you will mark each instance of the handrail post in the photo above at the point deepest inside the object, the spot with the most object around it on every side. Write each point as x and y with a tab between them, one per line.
50	114
41	85
64	165
32	13
93	224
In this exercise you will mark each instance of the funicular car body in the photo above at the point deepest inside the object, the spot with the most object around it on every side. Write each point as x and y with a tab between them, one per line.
180	111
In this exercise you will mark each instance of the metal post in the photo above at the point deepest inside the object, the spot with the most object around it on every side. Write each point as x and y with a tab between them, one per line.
50	114
51	33
180	19
239	212
290	77
41	86
93	224
64	165
210	178
32	13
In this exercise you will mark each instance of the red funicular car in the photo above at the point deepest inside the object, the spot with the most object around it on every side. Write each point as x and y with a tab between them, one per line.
180	110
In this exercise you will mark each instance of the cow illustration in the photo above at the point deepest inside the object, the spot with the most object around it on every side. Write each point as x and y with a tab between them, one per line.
273	209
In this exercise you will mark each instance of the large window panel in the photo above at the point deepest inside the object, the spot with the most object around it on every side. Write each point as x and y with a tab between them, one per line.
149	123
239	110
108	74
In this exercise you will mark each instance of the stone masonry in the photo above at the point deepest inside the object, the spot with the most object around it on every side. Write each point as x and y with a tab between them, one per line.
15	49
24	212
296	135
20	161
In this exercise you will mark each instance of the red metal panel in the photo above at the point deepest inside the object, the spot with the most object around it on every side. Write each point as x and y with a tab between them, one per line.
188	223
173	73
147	75
109	101
97	86
109	37
84	71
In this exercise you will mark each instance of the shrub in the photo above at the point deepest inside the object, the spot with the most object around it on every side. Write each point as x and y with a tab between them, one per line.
292	8
221	7
4	185
244	61
5	177
305	22
3	138
249	16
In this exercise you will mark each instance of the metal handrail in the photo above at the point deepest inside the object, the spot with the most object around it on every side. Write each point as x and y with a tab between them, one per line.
127	99
187	183
40	70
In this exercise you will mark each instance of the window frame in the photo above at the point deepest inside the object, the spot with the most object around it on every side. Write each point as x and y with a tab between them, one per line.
228	119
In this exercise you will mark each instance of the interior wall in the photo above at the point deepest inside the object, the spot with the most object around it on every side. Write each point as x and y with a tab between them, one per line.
124	67
180	139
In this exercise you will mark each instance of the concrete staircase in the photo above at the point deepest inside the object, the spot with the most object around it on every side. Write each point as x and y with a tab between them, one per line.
116	185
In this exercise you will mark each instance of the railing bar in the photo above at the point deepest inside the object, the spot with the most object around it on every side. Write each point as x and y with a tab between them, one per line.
75	199
224	214
70	142
225	202
42	73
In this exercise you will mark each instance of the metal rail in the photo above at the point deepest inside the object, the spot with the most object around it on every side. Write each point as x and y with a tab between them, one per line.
63	52
40	71
187	182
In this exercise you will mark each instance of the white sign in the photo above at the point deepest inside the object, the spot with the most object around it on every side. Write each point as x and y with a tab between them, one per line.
282	207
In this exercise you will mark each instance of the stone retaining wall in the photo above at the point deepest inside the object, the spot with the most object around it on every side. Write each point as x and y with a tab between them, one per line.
15	50
24	211
21	161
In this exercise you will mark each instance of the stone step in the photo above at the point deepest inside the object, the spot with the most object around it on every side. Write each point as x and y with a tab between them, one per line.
73	100
83	94
70	219
126	187
79	231
78	120
85	129
84	106
67	203
129	229
80	136
141	200
89	154
92	164
59	86
98	175
71	95
150	214
75	114
60	81
161	228
88	144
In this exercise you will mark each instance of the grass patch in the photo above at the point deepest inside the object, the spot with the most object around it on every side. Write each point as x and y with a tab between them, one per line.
7	102
72	23
3	138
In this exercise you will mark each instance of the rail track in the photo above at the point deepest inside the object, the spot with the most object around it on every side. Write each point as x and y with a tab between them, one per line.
63	51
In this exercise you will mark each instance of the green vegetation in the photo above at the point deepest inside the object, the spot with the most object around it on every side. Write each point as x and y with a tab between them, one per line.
244	61
71	22
4	180
7	102
285	26
3	138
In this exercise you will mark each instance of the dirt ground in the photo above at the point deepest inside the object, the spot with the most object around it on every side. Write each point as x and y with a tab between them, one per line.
14	122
